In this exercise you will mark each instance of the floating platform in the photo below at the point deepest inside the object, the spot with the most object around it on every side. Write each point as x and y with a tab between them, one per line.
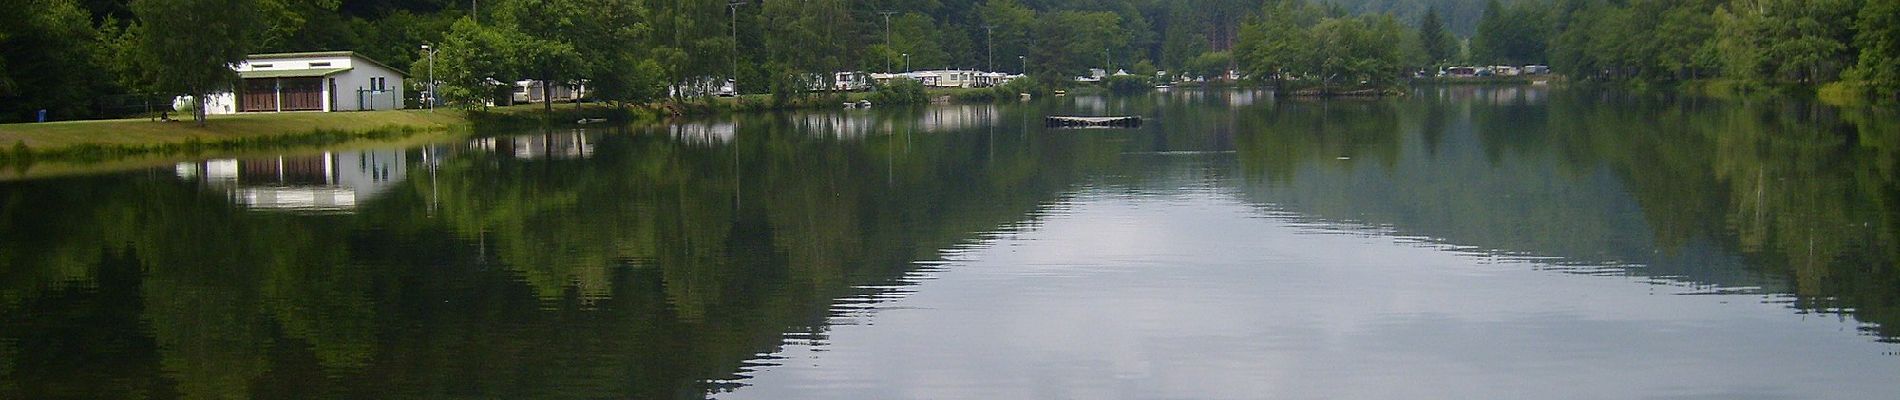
1057	121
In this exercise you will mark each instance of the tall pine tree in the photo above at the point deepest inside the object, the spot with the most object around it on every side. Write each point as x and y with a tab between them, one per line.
1439	45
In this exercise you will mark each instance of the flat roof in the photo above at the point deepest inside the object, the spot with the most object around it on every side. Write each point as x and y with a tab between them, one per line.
309	54
291	73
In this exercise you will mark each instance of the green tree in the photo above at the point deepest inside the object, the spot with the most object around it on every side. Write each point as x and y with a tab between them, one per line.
1071	42
1212	65
1879	41
1439	46
192	44
47	60
1280	43
547	51
1769	41
1491	39
306	25
1513	35
475	63
1354	51
1014	24
691	41
615	71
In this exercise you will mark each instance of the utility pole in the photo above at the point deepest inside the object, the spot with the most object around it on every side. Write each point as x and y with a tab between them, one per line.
734	7
430	101
887	39
989	33
475	11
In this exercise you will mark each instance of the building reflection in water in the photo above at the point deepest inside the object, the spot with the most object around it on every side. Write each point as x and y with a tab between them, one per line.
326	182
704	133
571	145
1493	95
846	125
1234	98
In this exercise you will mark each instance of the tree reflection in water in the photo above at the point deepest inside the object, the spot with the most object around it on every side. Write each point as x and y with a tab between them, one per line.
664	262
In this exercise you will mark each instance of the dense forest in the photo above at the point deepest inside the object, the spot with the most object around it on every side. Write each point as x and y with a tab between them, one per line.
96	58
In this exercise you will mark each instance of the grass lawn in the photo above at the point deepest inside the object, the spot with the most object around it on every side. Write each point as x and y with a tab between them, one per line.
53	135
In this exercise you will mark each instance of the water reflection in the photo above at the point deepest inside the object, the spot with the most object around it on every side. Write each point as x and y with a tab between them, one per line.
328	181
1239	245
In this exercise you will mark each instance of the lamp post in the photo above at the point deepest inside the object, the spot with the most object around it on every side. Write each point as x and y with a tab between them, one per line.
906	63
430	99
734	7
887	39
1025	61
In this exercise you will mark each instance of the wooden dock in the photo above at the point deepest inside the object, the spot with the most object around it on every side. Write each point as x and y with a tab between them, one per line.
1059	121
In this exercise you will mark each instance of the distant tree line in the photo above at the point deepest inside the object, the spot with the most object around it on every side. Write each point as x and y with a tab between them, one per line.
76	57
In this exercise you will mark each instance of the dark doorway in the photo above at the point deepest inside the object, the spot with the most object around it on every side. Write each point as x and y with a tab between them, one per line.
302	94
258	95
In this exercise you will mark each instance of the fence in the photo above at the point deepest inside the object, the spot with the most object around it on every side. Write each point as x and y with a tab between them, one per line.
367	100
99	107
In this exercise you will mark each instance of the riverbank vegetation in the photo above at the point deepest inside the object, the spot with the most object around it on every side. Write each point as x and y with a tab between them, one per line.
229	127
1736	46
119	58
115	58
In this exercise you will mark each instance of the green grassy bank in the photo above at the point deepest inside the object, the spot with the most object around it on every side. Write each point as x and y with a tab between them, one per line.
220	128
126	139
59	148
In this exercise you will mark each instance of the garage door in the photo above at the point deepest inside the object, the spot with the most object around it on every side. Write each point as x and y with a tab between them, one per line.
297	94
303	94
258	95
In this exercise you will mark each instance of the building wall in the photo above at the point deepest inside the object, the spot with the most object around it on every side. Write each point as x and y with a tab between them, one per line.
223	103
360	76
529	91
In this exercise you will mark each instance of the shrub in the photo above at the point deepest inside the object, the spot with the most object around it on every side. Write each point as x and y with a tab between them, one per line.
1023	84
1128	84
900	91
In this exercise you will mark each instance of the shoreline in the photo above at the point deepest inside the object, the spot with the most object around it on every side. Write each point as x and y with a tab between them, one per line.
28	149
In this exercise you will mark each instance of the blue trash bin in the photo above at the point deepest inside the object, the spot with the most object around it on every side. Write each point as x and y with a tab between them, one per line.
42	115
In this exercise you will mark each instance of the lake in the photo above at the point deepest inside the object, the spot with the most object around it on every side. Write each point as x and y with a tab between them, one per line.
1459	243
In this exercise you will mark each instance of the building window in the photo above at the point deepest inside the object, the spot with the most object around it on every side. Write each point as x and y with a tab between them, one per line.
319	64
262	65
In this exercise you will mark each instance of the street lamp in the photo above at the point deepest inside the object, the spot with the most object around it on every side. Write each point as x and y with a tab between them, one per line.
1025	61
887	38
906	63
734	7
432	86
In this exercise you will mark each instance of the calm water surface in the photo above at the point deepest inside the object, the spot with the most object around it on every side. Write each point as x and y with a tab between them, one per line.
1456	244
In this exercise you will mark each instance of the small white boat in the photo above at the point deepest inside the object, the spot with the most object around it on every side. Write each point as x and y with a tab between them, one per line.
586	121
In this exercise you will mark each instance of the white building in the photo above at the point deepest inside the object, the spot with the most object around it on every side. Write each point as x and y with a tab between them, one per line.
1095	75
704	87
529	91
853	81
318	81
957	78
